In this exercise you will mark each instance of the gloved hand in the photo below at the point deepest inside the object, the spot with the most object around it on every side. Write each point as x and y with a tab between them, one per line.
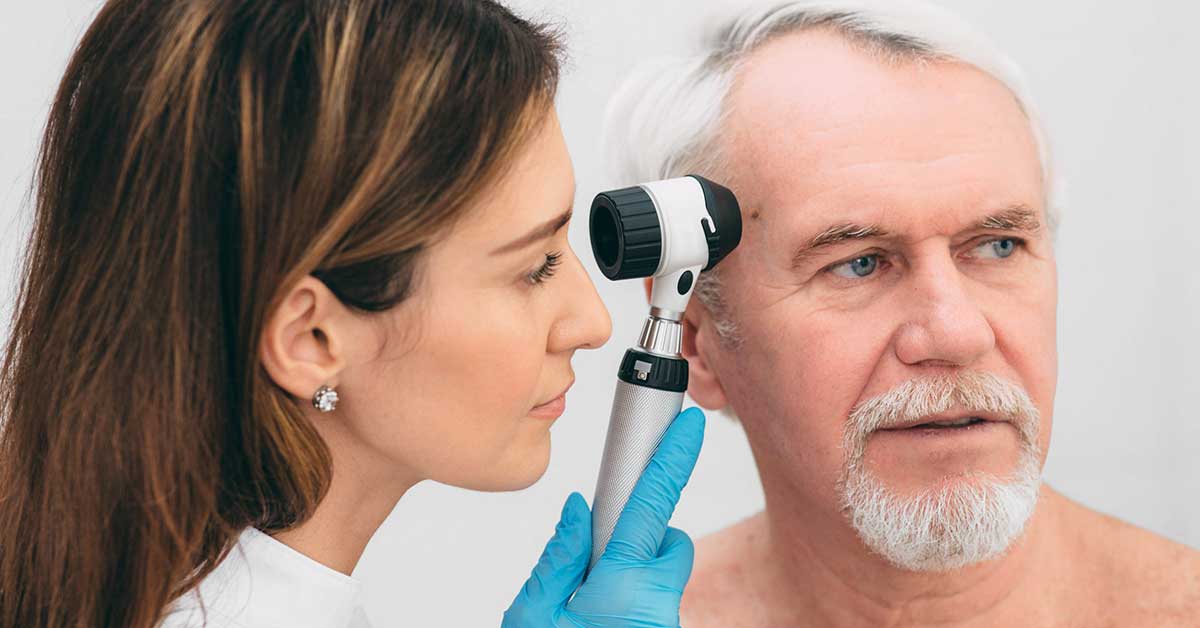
639	580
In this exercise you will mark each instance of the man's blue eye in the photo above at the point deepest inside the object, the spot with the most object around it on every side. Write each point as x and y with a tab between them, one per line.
858	267
999	249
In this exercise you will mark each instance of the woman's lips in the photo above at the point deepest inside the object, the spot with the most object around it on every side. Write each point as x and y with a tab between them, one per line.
551	409
555	407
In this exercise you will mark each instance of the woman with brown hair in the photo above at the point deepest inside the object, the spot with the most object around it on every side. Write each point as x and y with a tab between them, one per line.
290	259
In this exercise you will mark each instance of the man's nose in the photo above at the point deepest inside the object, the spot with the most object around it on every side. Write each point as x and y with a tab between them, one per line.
584	322
945	325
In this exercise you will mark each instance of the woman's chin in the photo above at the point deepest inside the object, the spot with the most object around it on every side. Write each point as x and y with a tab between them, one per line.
518	470
528	476
501	483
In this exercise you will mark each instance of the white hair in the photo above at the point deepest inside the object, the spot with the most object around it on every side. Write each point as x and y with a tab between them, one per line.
664	120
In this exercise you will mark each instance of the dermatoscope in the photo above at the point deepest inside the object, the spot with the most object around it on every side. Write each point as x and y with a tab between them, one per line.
670	230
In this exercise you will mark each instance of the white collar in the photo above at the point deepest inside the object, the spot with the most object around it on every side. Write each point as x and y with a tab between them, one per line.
263	583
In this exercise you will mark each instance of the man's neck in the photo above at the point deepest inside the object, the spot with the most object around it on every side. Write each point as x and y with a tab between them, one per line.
817	572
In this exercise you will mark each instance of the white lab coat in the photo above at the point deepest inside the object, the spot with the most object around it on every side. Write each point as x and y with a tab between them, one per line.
263	583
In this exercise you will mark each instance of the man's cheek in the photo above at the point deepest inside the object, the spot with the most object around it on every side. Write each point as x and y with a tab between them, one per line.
1027	339
814	400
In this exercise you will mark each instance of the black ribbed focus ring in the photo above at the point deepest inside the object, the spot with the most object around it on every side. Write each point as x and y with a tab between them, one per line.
625	233
654	371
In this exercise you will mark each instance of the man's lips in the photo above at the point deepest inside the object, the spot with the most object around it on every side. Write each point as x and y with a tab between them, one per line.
948	420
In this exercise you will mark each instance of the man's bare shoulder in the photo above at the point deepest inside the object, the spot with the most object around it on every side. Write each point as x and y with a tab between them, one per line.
1147	578
717	594
1138	577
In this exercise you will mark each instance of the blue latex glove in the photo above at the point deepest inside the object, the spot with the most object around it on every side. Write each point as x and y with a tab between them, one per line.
639	580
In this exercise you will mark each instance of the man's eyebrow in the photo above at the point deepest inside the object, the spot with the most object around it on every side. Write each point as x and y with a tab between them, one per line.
1017	217
836	234
543	231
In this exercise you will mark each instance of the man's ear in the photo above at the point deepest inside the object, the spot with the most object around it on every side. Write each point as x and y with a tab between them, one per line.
698	344
302	346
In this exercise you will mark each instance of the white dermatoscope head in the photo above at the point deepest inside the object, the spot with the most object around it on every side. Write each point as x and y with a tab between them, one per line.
670	230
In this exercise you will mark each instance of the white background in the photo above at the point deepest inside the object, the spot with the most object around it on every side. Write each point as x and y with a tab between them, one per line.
1118	86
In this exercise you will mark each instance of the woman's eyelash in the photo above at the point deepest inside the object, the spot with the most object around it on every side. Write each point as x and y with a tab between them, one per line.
546	270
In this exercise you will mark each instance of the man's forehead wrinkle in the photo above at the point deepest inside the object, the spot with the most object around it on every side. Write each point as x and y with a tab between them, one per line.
775	165
783	137
842	192
770	97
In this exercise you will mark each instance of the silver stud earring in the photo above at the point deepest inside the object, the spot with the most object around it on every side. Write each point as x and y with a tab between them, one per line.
325	399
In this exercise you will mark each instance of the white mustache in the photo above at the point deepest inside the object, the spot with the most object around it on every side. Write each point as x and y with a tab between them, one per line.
969	391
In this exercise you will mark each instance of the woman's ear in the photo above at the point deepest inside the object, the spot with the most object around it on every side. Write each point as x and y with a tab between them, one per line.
302	345
697	346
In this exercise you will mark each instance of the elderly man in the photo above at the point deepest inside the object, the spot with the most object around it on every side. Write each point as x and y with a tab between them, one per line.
885	332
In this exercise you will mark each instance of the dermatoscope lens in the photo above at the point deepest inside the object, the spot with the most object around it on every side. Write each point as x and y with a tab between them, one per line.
605	238
626	235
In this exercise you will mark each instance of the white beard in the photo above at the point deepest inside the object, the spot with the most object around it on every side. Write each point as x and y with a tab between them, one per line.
968	519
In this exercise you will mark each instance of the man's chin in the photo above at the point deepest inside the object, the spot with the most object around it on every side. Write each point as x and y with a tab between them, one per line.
930	483
959	520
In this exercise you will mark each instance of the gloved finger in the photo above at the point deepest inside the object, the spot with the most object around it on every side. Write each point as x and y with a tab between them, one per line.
677	555
640	529
561	567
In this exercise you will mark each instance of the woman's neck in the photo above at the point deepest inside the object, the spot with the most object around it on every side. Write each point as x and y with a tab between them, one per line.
363	491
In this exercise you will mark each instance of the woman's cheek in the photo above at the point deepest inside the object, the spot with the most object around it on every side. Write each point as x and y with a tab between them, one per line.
499	385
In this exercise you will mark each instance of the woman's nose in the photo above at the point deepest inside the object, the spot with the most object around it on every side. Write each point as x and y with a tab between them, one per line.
584	323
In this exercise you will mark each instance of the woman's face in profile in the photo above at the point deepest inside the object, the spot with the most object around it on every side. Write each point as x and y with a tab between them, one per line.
472	366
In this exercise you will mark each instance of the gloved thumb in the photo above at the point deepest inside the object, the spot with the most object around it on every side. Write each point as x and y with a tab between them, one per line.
560	570
677	553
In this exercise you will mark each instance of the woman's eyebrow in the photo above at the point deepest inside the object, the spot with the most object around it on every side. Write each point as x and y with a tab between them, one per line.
539	233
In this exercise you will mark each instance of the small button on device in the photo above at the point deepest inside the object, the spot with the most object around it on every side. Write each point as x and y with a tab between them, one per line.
643	369
685	282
